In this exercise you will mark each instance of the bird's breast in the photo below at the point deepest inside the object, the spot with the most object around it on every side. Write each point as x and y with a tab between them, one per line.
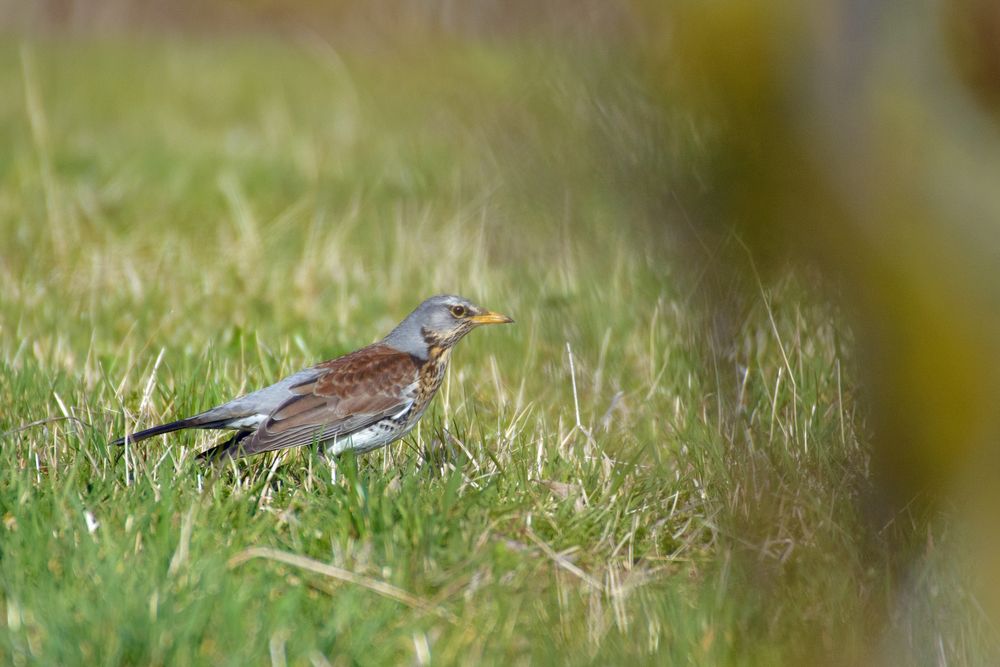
432	373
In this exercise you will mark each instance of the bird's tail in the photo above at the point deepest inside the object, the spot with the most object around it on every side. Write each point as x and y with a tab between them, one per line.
157	430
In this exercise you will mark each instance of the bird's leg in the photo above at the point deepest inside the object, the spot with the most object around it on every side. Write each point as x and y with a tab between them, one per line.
322	450
230	446
331	459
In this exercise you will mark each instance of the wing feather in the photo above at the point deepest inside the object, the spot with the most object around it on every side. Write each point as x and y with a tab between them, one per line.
349	394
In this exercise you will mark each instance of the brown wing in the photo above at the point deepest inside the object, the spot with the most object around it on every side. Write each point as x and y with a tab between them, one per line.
351	393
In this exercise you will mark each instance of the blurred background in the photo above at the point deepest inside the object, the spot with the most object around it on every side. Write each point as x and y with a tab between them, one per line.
769	233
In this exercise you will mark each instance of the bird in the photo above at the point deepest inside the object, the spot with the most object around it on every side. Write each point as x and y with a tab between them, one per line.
360	401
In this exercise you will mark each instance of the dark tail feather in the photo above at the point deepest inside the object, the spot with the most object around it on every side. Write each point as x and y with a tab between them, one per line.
157	430
198	421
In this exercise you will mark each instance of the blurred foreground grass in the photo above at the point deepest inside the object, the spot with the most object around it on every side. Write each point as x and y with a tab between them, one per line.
185	220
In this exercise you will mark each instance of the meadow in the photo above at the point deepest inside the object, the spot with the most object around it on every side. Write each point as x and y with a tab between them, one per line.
186	219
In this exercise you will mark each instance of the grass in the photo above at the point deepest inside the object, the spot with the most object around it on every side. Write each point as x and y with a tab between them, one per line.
183	221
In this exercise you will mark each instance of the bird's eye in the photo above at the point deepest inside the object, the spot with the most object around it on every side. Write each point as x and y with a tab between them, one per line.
458	311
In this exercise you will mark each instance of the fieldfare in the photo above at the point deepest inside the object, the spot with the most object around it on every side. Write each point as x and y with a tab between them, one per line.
360	401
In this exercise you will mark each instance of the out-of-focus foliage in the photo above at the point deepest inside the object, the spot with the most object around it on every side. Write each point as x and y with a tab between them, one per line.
861	138
374	23
973	28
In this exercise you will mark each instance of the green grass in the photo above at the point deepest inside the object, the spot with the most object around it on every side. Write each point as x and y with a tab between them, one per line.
183	221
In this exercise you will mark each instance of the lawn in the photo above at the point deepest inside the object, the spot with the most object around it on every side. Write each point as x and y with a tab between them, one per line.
186	219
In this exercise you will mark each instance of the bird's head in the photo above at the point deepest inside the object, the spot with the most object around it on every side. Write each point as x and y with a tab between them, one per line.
440	321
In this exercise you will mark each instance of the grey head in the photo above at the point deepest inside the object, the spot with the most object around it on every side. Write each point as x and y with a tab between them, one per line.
440	322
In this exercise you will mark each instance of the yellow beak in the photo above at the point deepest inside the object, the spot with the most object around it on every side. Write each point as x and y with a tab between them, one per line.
489	317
